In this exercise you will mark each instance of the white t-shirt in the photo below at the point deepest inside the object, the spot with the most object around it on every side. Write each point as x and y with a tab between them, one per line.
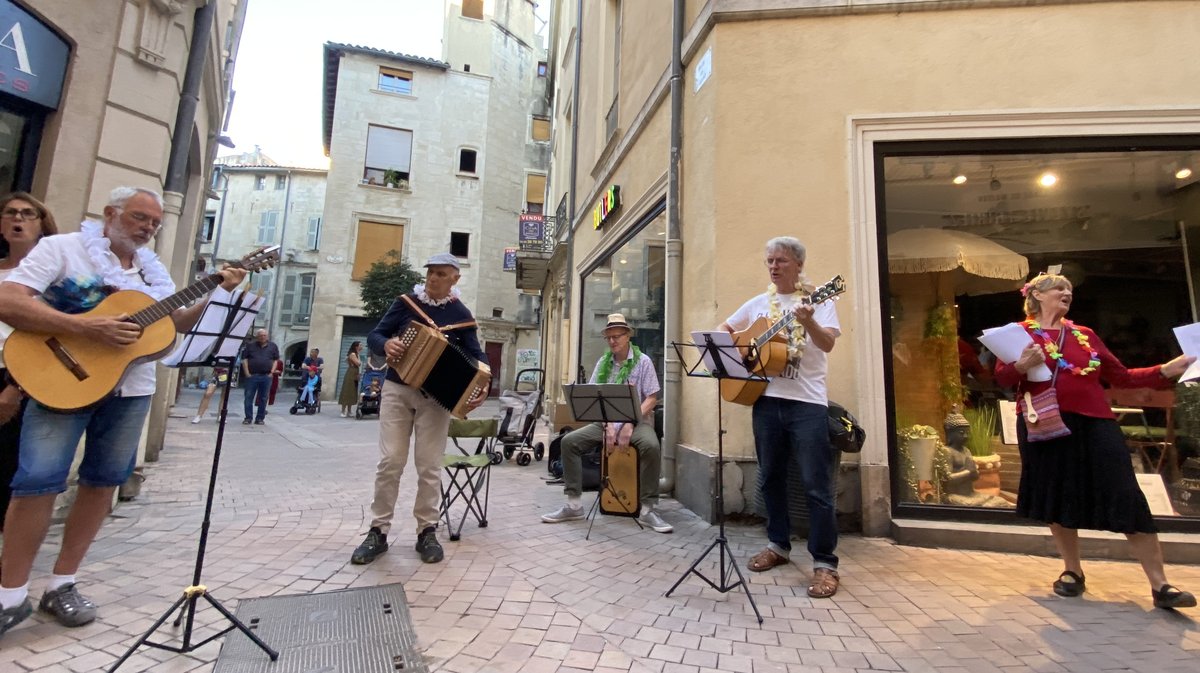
5	330
60	268
802	380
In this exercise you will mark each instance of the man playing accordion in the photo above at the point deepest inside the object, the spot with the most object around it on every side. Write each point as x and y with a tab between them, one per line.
407	415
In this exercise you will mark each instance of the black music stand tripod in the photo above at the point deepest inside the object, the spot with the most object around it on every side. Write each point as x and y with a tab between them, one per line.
226	336
723	362
605	403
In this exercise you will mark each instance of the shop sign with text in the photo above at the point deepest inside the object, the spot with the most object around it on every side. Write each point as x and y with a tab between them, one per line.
610	202
33	58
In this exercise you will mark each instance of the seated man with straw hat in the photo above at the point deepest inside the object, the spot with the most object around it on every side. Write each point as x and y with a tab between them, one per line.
623	363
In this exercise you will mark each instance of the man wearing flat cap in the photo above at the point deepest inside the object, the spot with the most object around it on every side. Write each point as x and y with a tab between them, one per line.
407	415
623	363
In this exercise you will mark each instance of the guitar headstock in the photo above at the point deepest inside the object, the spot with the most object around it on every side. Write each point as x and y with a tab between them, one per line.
263	258
831	289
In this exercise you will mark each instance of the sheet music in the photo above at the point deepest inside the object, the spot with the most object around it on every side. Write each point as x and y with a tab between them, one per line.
1189	342
734	367
197	345
1007	342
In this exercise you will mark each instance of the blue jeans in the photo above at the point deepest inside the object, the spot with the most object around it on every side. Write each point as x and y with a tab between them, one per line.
257	387
786	430
49	440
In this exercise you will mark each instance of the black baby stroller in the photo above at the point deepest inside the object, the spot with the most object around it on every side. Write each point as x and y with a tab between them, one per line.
369	391
308	396
519	411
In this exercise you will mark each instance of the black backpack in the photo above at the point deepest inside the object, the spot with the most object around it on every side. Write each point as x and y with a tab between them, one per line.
845	434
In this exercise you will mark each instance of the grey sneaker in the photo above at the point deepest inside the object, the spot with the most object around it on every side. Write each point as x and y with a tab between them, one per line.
428	546
650	519
564	513
68	606
371	548
10	617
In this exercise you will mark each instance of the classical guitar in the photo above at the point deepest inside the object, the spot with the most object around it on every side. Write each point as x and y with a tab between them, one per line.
764	347
68	372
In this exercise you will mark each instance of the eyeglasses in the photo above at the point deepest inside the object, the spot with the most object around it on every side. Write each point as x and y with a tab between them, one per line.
142	218
24	213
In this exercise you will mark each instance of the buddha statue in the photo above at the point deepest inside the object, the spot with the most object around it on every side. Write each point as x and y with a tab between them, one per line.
958	488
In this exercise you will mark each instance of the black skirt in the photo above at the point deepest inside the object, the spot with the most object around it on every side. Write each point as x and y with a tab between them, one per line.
1083	480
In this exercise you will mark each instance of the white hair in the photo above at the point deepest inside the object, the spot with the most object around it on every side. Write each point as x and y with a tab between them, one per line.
791	245
118	197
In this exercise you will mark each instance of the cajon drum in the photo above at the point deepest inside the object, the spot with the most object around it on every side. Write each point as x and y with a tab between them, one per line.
619	493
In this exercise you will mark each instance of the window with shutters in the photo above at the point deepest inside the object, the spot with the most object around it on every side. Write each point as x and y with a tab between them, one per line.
392	80
260	283
296	303
314	233
267	225
540	129
260	183
280	181
472	9
375	239
389	151
535	192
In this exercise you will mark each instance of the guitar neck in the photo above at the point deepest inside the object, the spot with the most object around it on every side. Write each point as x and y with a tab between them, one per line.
161	309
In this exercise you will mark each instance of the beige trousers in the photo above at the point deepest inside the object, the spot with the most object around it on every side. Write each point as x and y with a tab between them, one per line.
408	417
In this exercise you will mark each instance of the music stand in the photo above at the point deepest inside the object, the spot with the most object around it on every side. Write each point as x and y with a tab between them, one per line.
605	403
723	360
213	342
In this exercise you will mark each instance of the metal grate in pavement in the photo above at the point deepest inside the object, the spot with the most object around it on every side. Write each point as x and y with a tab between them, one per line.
366	630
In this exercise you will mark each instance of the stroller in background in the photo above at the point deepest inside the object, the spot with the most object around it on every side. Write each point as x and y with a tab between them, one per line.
519	411
308	396
368	400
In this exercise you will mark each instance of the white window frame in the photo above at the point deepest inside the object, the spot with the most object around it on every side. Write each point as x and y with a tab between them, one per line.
268	225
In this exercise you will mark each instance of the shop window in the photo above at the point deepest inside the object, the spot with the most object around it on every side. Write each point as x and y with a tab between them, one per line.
540	129
460	244
466	161
472	9
393	80
962	227
389	151
267	225
375	239
535	192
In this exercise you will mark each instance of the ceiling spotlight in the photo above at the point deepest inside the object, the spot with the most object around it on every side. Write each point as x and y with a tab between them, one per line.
960	179
1048	179
1183	173
994	185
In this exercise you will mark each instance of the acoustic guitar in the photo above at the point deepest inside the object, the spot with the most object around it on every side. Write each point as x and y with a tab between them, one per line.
69	372
765	345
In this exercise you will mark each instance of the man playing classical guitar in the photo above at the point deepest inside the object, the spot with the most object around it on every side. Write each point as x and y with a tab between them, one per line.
71	273
790	418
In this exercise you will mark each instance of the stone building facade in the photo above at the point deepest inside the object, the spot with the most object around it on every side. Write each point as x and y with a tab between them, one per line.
432	156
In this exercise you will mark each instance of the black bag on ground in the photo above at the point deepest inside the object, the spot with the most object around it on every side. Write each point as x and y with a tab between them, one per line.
845	434
554	454
591	470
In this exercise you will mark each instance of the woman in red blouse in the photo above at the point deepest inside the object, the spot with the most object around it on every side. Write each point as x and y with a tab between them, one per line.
1085	479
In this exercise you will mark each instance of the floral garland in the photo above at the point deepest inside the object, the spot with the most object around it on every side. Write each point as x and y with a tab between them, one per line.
154	281
623	373
1055	355
419	290
797	340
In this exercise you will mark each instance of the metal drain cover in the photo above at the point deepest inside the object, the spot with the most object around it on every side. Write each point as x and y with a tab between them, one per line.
366	630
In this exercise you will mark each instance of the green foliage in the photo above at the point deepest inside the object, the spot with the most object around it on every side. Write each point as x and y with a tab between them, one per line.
941	341
983	425
386	280
919	432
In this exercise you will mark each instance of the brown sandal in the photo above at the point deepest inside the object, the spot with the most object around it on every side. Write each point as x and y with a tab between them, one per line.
824	583
765	560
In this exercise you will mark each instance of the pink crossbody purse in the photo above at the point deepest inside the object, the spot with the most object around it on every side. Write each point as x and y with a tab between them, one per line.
1043	421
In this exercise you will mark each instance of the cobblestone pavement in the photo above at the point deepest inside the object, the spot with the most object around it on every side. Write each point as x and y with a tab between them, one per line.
519	595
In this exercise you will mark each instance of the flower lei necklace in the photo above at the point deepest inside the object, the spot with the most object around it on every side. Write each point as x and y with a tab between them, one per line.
419	290
797	340
623	373
157	281
1051	348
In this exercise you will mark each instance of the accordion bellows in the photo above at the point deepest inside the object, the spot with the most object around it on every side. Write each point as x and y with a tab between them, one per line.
441	369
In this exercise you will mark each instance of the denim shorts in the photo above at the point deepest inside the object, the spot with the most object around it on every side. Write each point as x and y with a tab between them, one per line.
49	440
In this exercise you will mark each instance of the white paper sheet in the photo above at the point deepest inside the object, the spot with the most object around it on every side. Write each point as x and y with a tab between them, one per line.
1007	342
1189	342
198	347
734	367
1008	421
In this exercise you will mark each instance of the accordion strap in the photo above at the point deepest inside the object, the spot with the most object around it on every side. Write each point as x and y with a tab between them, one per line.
441	328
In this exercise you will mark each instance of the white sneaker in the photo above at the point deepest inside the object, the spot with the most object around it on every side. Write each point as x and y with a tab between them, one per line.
650	519
195	420
564	513
343	414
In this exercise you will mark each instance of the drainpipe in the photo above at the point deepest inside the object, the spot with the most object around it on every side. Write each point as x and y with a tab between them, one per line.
672	313
174	190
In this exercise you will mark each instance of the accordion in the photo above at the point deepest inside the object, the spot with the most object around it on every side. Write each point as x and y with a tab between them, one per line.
440	369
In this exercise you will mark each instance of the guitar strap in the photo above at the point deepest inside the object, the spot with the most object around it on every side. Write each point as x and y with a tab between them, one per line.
441	328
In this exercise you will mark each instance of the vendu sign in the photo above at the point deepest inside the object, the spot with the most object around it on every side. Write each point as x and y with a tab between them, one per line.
610	202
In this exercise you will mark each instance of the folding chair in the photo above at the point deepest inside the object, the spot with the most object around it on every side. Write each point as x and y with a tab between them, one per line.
470	473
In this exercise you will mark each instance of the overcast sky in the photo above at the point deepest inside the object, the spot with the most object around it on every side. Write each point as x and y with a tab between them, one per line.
279	71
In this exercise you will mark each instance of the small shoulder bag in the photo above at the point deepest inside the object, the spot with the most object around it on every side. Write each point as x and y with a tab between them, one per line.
1043	421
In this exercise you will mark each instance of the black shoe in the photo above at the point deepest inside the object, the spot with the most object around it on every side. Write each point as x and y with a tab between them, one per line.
1069	584
68	606
260	422
245	421
1169	598
10	617
428	546
371	548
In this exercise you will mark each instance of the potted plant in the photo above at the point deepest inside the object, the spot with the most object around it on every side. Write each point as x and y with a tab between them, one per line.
920	443
391	178
980	443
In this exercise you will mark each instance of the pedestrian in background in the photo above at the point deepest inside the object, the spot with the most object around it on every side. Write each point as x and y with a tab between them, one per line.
1082	478
348	396
258	362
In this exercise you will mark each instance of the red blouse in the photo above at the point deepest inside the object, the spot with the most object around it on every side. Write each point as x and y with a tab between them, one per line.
1082	394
